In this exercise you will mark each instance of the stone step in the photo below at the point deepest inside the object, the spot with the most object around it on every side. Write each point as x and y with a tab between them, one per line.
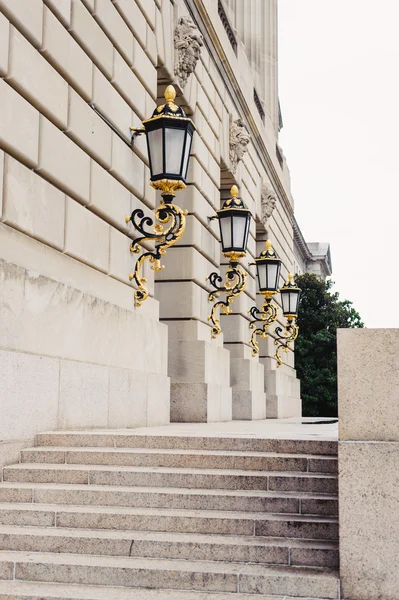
193	459
182	521
169	574
180	498
129	439
243	549
17	590
173	477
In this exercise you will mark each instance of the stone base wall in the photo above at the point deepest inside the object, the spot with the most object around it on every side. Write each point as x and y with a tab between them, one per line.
368	410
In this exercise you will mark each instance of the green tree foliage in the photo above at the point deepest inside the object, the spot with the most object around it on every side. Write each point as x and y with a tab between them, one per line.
321	313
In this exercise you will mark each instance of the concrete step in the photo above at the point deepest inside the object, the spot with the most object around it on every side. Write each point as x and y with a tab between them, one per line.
182	521
173	477
243	549
169	574
17	590
180	498
130	439
193	459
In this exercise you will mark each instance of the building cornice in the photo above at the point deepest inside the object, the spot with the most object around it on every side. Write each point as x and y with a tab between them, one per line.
203	21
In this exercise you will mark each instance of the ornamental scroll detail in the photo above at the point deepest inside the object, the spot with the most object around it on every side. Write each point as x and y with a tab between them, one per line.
188	42
239	140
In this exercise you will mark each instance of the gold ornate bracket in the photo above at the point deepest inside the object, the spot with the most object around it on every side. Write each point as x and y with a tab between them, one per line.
266	315
165	213
285	337
234	285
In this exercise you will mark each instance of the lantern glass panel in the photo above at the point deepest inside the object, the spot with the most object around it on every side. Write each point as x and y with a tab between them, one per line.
155	150
187	150
262	276
239	230
174	148
285	301
294	298
225	232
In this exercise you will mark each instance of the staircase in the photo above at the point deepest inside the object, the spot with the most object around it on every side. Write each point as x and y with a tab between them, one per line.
119	515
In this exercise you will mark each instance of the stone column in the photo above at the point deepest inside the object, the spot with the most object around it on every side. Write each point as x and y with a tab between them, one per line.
247	374
368	392
282	386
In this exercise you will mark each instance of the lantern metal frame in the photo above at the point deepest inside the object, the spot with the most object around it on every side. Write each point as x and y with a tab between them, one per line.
267	315
236	277
171	218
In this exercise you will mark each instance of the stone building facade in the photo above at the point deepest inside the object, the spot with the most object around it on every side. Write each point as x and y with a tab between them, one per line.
311	257
74	350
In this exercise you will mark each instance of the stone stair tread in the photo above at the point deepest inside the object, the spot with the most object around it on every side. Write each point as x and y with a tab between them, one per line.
163	564
166	490
53	591
172	512
197	538
188	471
172	451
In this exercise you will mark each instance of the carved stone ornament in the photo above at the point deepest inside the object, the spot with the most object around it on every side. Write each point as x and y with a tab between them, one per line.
268	201
239	140
188	41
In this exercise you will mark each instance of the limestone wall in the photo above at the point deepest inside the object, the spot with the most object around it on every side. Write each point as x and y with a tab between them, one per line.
76	351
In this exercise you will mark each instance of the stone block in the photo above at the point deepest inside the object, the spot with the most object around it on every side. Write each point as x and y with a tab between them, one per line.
158	400
127	167
148	9
86	236
83	395
190	330
201	239
65	54
200	403
1	181
185	264
109	198
19	125
197	361
33	205
115	27
88	130
368	503
368	384
195	203
4	43
151	46
63	162
29	387
134	18
183	299
235	328
61	8
111	104
145	70
91	37
27	16
129	86
40	84
127	404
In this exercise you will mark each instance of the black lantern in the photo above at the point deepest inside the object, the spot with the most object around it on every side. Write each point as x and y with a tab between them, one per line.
290	298
169	136
268	267
234	220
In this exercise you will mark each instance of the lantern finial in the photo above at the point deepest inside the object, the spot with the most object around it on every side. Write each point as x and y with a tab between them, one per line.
234	191
170	94
268	245
290	278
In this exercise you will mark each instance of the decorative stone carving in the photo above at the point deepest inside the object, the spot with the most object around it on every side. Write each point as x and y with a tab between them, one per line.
268	201
239	140
188	41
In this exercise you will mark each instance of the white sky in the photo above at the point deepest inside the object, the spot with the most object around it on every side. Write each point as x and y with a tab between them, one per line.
339	94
